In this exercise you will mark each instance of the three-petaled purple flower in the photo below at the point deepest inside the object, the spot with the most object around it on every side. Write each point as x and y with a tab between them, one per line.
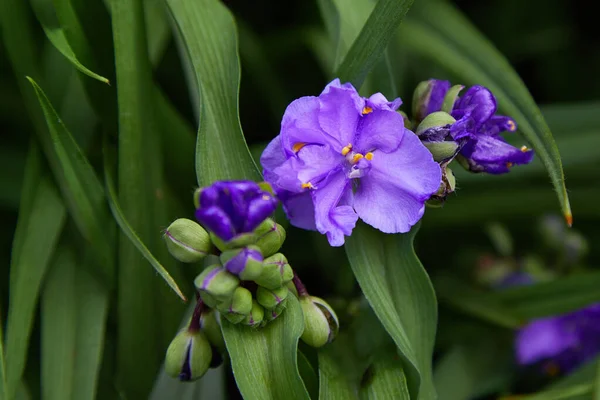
559	343
477	129
340	156
232	208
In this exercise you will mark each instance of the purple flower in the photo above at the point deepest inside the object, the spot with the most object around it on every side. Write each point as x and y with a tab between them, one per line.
429	97
340	156
230	208
477	130
566	341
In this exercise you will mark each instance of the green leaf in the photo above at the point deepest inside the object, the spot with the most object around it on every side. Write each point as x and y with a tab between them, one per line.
440	32
130	233
3	395
334	381
210	37
56	36
372	40
79	185
264	360
400	292
41	218
385	380
308	375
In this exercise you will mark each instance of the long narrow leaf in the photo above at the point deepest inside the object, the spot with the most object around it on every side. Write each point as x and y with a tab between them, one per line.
210	37
264	361
440	32
385	380
334	382
400	292
2	365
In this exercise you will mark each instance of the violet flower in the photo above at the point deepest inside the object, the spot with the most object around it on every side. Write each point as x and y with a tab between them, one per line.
340	156
232	208
477	129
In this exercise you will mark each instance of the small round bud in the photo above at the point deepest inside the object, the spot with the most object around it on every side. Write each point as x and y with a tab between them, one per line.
270	236
246	263
189	355
256	316
275	273
217	283
187	241
240	302
233	317
320	322
428	97
270	299
442	151
270	315
211	326
435	120
241	240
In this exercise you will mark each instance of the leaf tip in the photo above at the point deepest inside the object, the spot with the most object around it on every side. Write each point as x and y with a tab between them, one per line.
569	218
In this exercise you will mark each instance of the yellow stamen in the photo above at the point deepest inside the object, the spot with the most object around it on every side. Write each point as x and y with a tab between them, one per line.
357	157
307	185
524	149
367	110
511	126
509	164
265	197
298	146
369	156
347	149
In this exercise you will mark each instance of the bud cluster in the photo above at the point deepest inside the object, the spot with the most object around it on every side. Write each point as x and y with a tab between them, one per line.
245	279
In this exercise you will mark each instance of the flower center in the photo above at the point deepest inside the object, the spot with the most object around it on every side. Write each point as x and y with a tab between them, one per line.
357	164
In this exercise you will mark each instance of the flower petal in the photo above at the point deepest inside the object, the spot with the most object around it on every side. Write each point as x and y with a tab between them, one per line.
392	196
217	221
379	130
379	102
273	155
259	209
543	338
493	155
341	108
497	124
333	217
299	208
317	162
437	93
478	102
300	124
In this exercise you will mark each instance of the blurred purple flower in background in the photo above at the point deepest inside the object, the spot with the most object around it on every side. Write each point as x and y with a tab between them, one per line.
477	128
231	208
340	156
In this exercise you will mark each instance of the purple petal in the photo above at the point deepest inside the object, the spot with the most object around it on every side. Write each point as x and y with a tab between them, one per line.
493	155
543	338
237	264
341	108
392	196
299	208
317	161
497	124
331	218
379	130
379	102
436	96
273	155
300	124
259	209
479	102
217	221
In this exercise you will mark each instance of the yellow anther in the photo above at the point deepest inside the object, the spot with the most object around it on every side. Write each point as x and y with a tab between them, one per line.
524	148
357	157
369	156
367	110
511	126
307	185
509	164
266	197
347	149
298	146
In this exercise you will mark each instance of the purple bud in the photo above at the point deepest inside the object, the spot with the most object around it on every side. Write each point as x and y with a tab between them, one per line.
245	263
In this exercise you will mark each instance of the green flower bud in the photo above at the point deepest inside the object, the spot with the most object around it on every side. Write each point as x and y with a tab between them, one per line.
270	236
442	150
434	120
187	241
217	283
450	98
270	315
292	288
211	326
321	325
241	240
245	263
420	98
270	299
240	302
447	187
233	317
276	272
256	316
188	356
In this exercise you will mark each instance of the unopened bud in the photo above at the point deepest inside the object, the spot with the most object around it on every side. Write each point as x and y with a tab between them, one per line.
240	302
217	283
256	316
270	299
270	236
450	98
189	355
320	322
187	241
435	120
246	263
447	187
241	240
428	97
275	272
270	315
211	326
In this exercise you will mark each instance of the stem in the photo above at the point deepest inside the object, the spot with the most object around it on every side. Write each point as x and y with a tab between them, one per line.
302	292
198	310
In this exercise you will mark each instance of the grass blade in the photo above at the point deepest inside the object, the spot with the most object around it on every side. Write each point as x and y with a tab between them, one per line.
440	32
400	292
2	364
210	36
264	360
372	41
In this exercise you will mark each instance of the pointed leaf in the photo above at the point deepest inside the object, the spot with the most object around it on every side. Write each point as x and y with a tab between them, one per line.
384	380
264	360
400	292
440	32
2	365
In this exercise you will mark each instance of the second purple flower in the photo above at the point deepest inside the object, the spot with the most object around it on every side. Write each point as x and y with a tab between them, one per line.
340	157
